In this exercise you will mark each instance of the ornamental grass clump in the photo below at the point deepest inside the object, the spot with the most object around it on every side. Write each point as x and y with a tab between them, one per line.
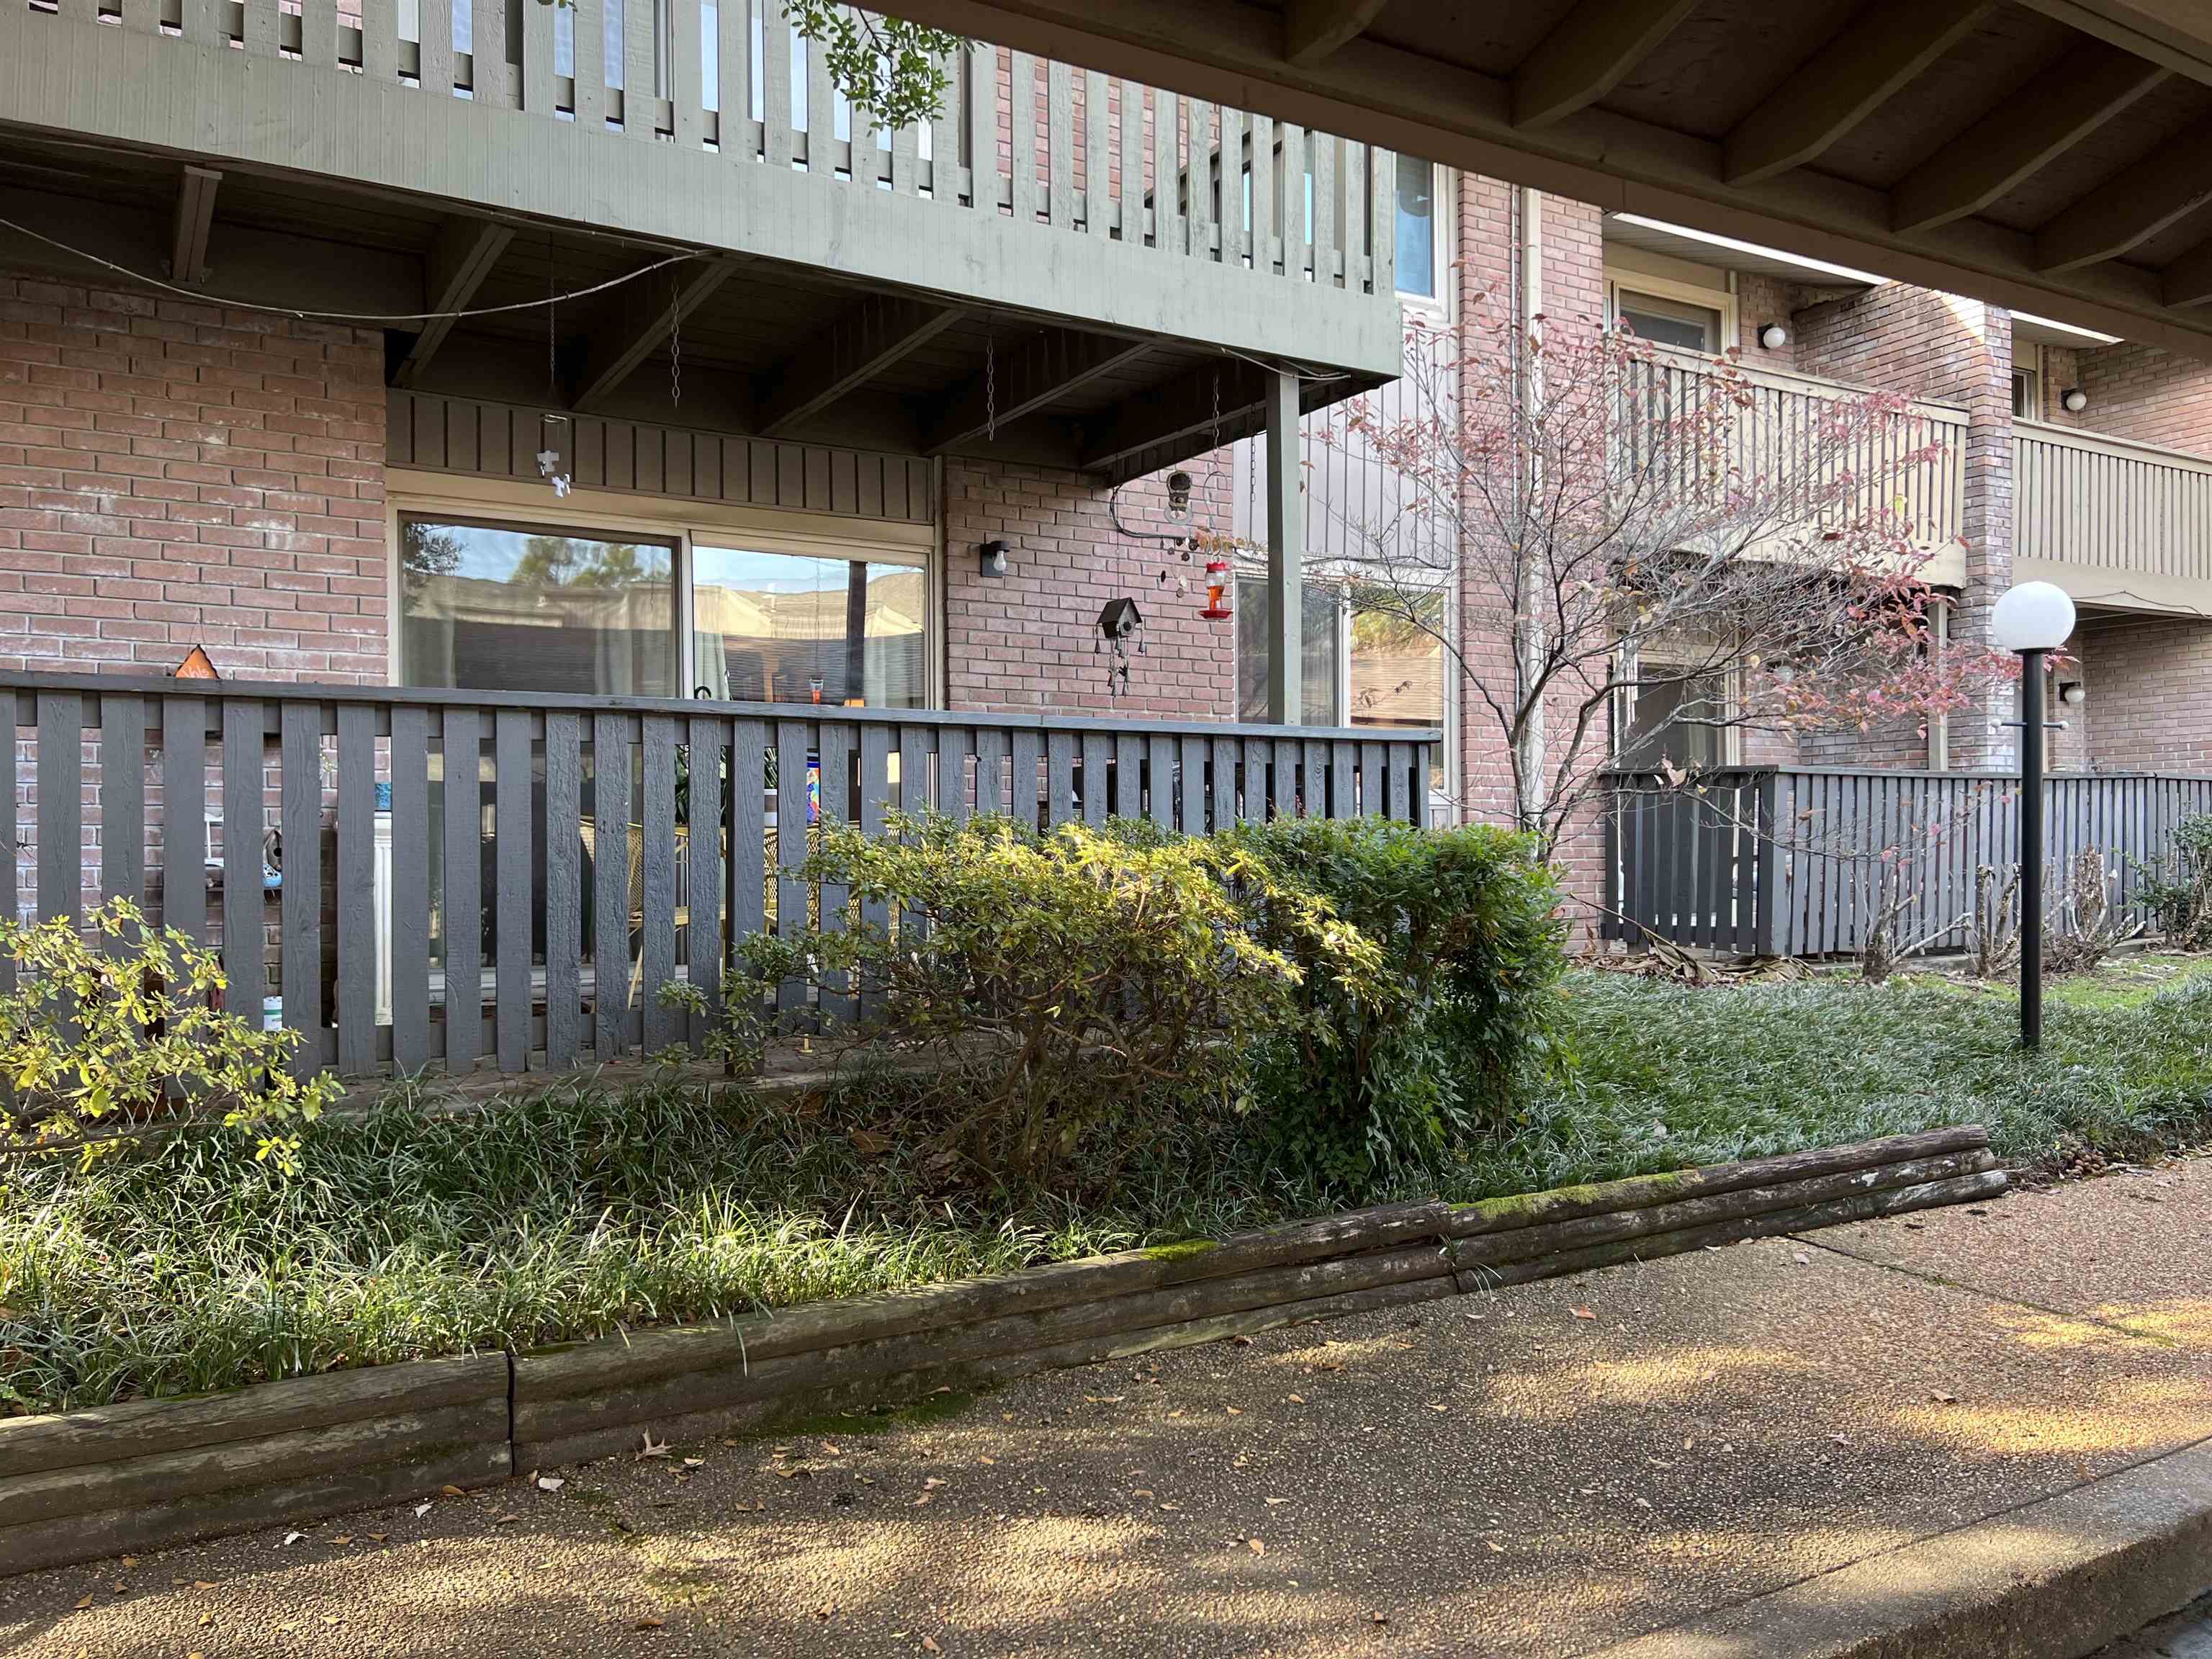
122	1023
1053	983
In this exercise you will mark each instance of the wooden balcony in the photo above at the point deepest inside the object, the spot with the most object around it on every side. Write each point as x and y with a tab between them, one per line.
375	168
2119	525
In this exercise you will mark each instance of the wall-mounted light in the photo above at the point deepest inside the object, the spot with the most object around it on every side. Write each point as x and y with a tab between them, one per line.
992	558
2073	694
1774	336
2076	400
1179	493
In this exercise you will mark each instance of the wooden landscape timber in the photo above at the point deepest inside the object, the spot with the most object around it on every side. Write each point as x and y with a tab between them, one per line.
80	1484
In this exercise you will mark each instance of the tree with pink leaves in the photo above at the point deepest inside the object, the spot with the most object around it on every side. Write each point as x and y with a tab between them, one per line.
1636	539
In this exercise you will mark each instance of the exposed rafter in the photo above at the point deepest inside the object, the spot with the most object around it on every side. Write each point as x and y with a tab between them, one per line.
1586	53
2165	186
1184	408
1043	368
1879	53
2187	280
465	252
638	321
1312	29
195	221
852	350
2030	128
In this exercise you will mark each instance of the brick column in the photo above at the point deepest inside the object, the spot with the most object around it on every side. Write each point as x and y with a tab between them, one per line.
1980	737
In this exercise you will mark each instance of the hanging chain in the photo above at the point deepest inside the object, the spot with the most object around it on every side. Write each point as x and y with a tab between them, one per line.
991	388
675	345
552	312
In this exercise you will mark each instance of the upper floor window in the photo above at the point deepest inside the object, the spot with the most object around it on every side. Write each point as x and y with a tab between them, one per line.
1667	321
2026	394
1416	238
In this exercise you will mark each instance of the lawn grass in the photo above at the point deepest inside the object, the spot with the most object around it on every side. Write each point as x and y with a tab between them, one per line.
585	1211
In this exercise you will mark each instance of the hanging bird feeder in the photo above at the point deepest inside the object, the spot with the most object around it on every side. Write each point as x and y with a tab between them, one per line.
1217	591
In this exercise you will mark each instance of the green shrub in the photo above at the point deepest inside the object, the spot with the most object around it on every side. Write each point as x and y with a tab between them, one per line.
1384	1070
119	1020
2179	893
1055	982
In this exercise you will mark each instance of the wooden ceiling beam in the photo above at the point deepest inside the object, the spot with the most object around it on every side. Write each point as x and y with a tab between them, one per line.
1313	29
2187	280
2032	127
1587	54
466	252
852	350
1191	405
2120	215
1880	52
194	224
641	316
1023	379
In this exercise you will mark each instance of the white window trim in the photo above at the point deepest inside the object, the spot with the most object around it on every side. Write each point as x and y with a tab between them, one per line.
1722	301
1731	732
685	524
1444	219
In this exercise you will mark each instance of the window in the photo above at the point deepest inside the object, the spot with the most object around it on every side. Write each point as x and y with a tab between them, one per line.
2026	394
1417	228
502	607
1671	322
505	607
1318	630
1681	721
774	628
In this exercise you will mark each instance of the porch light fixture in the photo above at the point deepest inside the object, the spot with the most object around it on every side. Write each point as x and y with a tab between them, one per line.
2073	694
2076	400
2033	619
991	557
1774	336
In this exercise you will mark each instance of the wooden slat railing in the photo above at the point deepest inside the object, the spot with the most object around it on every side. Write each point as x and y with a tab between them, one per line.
1797	861
451	890
1915	462
1016	134
2083	498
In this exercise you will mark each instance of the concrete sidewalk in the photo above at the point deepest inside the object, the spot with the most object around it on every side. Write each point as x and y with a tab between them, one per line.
1553	1469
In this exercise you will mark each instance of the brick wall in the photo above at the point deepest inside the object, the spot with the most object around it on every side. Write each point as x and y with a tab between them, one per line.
2150	681
173	474
2142	393
1023	641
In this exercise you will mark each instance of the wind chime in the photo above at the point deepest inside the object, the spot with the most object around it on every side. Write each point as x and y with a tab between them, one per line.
551	428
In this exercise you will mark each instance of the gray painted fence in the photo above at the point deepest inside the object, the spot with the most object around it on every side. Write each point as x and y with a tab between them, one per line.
401	931
1795	861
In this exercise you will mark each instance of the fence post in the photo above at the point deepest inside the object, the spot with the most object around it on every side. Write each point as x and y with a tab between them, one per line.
1766	864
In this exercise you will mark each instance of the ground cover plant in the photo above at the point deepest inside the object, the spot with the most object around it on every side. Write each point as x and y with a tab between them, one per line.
589	1210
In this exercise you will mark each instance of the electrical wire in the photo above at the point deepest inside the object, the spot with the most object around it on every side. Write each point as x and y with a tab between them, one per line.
206	298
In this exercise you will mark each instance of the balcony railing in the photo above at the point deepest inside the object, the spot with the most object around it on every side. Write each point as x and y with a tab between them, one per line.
1016	135
460	875
1915	460
2118	521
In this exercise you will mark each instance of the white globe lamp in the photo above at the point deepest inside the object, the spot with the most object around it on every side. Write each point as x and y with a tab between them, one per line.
2032	617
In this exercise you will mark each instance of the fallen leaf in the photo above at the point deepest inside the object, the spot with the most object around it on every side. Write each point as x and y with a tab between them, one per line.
646	1623
1236	1411
1942	1399
1275	1500
291	1538
985	1459
451	1491
1582	1313
129	1560
1297	1400
1103	1399
1496	1549
374	1537
545	1483
83	1604
206	1618
929	1644
1258	1548
208	1584
829	1450
506	1519
342	1538
695	1462
923	1498
1170	1506
931	1483
421	1510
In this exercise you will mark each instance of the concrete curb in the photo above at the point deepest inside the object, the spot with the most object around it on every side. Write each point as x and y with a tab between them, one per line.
2057	1578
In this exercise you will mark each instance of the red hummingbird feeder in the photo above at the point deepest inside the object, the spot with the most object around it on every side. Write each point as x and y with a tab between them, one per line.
1217	590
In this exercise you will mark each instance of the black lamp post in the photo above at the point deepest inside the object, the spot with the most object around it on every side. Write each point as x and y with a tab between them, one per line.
2033	619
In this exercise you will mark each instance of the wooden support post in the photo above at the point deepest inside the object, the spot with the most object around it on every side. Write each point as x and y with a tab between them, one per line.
1286	541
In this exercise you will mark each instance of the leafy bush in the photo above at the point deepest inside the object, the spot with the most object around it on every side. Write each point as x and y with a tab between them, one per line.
1391	1069
1054	981
121	1021
2180	895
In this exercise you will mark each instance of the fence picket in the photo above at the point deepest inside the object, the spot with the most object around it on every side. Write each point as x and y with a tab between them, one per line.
300	822
60	808
511	895
656	901
564	887
703	894
245	959
461	917
123	797
610	794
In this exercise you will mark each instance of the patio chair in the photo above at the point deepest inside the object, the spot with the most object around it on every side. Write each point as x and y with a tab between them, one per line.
636	862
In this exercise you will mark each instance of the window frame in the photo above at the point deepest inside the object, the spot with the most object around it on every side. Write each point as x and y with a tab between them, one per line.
1721	302
505	503
1442	303
1731	731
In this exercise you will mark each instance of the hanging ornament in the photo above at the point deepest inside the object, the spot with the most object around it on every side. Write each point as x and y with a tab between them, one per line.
549	453
1217	591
